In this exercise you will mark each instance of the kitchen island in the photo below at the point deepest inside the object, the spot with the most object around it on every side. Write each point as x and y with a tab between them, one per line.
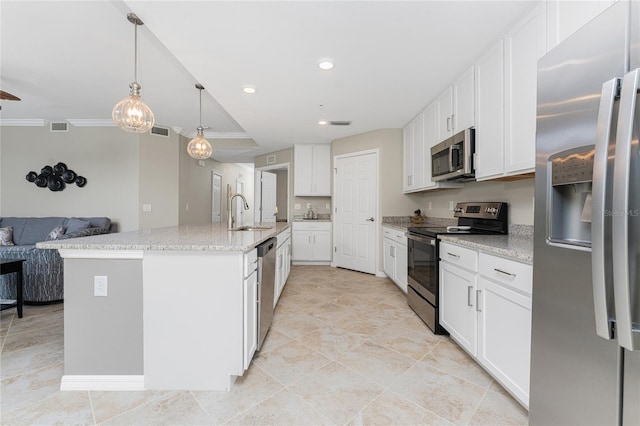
160	308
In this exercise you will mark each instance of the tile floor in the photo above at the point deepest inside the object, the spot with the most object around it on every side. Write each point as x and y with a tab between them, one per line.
344	349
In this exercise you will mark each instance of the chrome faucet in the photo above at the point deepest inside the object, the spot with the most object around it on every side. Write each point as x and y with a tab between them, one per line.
230	197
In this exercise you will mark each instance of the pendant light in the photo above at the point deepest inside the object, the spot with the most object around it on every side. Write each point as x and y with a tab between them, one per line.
132	114
200	148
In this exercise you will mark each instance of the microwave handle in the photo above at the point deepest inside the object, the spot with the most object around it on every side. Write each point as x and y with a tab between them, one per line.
451	158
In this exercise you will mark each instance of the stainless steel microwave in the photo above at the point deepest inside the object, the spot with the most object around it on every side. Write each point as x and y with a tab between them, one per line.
452	159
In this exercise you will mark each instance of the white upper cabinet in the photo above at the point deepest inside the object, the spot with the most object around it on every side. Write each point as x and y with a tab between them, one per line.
456	106
524	45
413	135
490	113
566	17
419	136
312	170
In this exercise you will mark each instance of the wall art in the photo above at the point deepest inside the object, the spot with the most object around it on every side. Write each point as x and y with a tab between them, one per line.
56	177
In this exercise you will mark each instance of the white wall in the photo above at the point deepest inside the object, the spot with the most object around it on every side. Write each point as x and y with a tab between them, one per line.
106	156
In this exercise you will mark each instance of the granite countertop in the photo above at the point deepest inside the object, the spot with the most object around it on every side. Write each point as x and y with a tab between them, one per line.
312	220
516	247
204	237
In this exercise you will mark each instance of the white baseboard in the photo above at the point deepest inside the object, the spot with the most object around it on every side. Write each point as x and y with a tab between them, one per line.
381	274
306	262
102	383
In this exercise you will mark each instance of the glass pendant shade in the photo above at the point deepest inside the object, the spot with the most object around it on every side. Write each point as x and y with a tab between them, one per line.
132	114
198	147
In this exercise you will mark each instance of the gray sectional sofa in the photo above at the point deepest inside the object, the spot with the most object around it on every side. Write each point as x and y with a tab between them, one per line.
43	269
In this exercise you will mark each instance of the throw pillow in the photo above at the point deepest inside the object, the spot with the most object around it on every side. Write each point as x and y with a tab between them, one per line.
76	224
6	236
56	233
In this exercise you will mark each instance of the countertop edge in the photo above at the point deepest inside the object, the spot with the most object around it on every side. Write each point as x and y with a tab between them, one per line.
86	243
516	248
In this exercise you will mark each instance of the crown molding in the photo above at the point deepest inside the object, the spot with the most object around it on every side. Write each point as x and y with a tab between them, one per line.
25	122
91	122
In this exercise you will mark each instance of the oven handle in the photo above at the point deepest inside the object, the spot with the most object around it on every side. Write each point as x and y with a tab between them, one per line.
426	240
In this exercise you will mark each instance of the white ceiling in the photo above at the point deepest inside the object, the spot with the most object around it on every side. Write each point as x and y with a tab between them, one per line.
74	60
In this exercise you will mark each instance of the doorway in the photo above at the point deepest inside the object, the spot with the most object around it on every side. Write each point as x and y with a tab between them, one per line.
282	192
216	196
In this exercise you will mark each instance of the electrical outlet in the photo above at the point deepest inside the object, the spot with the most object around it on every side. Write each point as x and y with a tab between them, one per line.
100	285
451	205
430	206
146	207
186	207
297	206
308	205
327	206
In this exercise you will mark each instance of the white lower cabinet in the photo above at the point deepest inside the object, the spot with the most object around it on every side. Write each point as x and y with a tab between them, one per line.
395	262
311	242
458	285
488	313
283	263
250	296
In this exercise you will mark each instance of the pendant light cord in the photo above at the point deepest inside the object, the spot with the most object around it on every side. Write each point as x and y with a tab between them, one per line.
200	107
135	53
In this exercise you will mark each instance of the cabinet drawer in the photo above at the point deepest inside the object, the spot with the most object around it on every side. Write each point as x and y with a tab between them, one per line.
250	262
516	275
459	256
387	232
283	236
399	237
311	226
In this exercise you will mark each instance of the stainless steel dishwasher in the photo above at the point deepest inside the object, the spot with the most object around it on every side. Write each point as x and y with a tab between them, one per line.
266	284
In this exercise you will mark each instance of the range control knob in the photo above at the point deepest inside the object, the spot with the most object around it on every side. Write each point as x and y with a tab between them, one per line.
458	210
491	210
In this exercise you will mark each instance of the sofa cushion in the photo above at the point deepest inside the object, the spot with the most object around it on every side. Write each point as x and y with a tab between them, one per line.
74	224
56	233
87	232
6	236
30	230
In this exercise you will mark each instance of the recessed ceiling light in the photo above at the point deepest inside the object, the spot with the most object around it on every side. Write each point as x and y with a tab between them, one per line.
325	64
322	122
249	89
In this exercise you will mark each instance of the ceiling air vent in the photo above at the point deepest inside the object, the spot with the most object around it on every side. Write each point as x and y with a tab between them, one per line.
271	159
59	126
160	131
340	123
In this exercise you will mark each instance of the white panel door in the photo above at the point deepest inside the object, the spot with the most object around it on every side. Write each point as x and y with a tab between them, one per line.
216	197
302	170
356	215
322	170
268	202
458	306
431	138
250	317
463	101
445	110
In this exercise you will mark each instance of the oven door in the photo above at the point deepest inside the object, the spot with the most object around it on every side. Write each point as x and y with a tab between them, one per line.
423	266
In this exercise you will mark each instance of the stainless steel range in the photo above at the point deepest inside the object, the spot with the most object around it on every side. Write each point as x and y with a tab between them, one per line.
424	254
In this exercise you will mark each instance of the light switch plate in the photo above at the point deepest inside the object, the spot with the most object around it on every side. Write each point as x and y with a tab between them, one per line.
146	207
297	206
100	285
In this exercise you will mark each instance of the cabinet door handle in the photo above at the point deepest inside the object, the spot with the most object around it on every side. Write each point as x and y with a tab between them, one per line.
314	239
469	291
500	271
455	256
393	251
448	124
309	238
478	297
453	121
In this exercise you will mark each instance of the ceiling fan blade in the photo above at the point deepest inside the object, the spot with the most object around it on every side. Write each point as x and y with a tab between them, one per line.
8	96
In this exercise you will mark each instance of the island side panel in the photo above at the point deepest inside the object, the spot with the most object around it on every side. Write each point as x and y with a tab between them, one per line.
193	313
103	335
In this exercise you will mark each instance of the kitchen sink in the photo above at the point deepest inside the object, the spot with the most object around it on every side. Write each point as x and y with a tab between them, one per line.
252	228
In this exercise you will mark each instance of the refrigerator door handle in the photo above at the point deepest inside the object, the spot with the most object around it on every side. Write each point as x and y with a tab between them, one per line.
625	297
601	265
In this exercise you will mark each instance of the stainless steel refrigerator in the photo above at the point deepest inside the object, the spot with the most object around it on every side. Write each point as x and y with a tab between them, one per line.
585	358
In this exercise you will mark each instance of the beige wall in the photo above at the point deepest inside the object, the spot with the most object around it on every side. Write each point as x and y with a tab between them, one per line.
194	203
158	173
106	156
519	195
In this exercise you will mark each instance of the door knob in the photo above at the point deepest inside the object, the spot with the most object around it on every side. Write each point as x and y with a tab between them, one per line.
370	219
